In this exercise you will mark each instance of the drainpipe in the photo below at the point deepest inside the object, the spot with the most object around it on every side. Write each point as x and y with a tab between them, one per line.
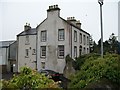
71	40
36	47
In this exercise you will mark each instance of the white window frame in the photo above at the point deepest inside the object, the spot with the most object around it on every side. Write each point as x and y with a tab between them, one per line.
43	51
61	34
75	51
87	40
43	36
43	65
84	39
61	51
84	50
75	36
80	38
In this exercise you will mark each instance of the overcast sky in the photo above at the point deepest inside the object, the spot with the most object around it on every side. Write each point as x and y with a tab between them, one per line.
15	13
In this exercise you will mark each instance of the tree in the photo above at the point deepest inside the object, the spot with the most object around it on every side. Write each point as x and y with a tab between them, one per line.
109	46
113	43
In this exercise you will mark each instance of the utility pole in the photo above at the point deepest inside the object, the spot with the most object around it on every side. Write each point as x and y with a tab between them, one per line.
101	24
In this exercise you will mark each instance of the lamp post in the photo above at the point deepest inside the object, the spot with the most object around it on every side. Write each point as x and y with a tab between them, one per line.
101	3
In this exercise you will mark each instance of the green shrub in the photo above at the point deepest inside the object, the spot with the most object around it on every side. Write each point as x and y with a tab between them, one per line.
95	68
29	79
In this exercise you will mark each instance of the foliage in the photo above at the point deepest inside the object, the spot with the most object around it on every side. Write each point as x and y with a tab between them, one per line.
68	59
111	45
80	60
29	79
93	69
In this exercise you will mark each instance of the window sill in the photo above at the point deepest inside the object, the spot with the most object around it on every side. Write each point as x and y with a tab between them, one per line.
43	57
61	57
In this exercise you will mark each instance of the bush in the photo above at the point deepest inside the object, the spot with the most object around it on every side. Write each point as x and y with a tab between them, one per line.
29	79
80	60
93	69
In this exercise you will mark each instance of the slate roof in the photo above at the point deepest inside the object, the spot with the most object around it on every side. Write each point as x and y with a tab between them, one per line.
32	31
74	26
68	23
5	44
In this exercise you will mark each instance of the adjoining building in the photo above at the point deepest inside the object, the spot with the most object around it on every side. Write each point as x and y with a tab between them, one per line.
57	37
7	56
26	52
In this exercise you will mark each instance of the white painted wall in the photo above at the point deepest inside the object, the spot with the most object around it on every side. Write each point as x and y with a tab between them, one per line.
51	25
22	60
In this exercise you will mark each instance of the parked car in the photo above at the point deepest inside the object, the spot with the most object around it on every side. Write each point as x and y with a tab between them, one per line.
56	76
51	74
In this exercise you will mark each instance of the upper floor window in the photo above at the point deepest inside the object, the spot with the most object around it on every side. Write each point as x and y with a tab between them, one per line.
43	51
75	51
84	39
75	36
43	36
80	38
27	39
26	53
61	34
61	51
87	40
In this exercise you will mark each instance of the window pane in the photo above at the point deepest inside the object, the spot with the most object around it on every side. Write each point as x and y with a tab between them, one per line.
43	36
43	51
75	51
87	40
43	65
80	37
60	51
84	39
61	34
75	36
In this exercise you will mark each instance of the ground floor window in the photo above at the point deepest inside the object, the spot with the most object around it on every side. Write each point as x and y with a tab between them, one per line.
43	65
75	51
60	51
43	51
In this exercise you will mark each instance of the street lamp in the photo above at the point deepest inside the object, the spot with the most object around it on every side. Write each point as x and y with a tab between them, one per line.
101	3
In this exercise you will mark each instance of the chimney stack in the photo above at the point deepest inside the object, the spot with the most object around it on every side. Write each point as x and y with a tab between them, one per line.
53	11
53	7
71	20
27	27
78	24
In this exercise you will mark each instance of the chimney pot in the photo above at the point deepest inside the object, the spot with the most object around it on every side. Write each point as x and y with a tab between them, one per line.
27	27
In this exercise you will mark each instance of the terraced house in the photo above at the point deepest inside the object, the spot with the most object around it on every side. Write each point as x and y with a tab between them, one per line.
56	38
26	52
